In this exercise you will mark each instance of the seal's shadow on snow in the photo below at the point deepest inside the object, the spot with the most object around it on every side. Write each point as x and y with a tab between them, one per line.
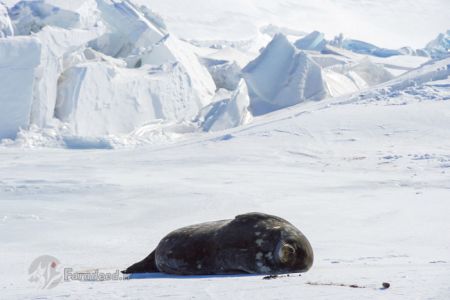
169	276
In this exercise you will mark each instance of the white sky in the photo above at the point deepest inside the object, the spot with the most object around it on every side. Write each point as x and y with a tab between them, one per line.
388	23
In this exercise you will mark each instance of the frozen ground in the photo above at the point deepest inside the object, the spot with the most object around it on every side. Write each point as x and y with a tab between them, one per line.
367	181
352	148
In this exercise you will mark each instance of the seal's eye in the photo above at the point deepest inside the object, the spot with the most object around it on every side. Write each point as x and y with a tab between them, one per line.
286	253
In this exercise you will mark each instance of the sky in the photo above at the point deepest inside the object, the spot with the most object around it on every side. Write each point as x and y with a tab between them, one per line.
387	23
393	23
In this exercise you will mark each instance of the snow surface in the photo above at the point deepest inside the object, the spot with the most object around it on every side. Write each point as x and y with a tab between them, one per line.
366	180
115	131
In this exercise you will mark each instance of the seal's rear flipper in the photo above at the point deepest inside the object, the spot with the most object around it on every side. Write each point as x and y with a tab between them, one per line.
147	265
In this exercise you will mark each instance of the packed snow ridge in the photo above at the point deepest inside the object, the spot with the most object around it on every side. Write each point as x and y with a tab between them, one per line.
92	70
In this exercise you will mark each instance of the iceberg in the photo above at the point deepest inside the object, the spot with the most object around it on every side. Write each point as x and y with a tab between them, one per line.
134	37
225	66
367	48
57	43
227	113
31	16
182	53
128	30
354	76
282	76
226	75
313	41
440	46
19	57
105	67
59	32
99	98
6	28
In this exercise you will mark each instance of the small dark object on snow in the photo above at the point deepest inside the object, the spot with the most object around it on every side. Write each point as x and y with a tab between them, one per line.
354	286
269	277
275	276
386	285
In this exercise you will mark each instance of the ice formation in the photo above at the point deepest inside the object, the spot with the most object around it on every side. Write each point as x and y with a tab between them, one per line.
162	79
272	29
104	67
19	57
313	41
87	69
108	99
440	46
284	75
31	16
57	43
227	113
6	28
367	48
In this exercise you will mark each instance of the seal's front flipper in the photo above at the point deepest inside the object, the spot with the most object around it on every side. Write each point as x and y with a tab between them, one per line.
147	265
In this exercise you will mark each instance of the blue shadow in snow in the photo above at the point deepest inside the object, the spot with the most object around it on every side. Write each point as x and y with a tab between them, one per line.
168	276
87	143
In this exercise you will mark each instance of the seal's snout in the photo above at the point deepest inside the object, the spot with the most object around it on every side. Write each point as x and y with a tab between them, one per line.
294	254
286	253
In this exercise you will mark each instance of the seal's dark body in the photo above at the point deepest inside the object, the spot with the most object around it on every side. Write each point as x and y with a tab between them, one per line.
250	243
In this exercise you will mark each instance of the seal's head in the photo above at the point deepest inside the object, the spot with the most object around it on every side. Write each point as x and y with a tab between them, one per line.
294	254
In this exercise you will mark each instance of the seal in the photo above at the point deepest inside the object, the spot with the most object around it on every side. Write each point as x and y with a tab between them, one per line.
253	243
